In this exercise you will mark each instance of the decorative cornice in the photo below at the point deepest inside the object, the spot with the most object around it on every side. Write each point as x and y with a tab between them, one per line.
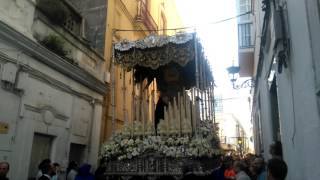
49	80
47	57
42	109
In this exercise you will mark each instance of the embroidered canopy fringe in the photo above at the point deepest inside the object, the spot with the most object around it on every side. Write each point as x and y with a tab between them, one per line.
147	56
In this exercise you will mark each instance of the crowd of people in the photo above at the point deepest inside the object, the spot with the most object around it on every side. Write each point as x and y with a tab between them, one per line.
249	167
51	171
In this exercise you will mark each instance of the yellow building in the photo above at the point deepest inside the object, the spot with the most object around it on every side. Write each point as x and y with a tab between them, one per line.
137	15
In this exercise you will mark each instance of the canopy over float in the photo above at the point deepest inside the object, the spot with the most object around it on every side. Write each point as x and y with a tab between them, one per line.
155	55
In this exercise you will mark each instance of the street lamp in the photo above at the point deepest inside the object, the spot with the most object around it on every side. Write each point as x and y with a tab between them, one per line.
233	72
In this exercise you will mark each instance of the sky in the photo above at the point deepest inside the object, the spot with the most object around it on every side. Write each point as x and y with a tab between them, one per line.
219	40
220	43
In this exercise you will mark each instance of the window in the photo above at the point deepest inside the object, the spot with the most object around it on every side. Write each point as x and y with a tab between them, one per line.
61	13
73	23
218	104
244	7
244	35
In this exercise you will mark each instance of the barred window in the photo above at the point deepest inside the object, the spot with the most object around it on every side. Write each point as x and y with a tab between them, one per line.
244	7
73	23
245	35
61	13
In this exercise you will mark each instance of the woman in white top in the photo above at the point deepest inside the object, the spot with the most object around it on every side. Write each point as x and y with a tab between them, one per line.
72	170
239	168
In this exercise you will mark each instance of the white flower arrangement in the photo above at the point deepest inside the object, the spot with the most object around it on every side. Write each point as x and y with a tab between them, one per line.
129	145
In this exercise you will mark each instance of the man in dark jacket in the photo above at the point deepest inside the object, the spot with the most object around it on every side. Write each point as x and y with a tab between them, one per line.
47	172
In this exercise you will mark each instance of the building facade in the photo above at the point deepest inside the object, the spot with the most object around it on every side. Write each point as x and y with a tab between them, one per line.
245	37
141	18
286	92
52	83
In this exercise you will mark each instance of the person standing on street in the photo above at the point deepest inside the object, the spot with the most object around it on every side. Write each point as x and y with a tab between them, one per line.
239	168
72	170
4	169
277	169
259	166
47	172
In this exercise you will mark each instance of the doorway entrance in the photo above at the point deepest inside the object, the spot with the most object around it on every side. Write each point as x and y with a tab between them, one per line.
77	153
41	149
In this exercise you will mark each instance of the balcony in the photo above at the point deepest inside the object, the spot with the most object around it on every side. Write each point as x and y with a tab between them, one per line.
245	56
57	26
143	15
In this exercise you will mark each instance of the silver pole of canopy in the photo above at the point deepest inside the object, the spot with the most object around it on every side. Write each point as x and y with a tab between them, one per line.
197	82
124	88
213	104
206	92
201	106
205	89
210	102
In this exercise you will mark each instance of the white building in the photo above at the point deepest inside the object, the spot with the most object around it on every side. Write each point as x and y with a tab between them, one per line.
245	37
51	106
287	72
232	114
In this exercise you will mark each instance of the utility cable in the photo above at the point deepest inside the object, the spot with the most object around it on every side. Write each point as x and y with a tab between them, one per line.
186	27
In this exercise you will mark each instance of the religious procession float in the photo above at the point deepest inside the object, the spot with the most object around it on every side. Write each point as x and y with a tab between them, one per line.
182	131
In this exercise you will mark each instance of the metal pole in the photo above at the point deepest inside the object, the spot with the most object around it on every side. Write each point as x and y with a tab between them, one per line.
133	104
196	60
113	91
124	95
205	90
210	102
200	60
197	77
140	99
213	105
